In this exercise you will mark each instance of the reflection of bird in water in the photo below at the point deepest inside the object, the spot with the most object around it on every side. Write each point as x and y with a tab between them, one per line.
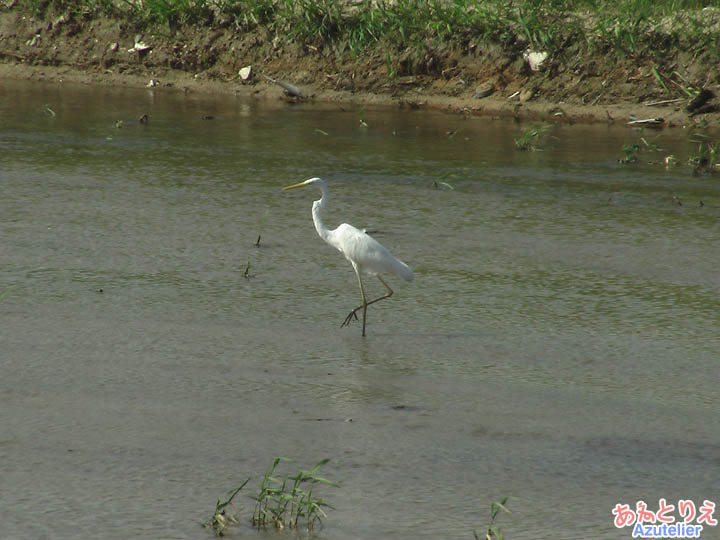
366	254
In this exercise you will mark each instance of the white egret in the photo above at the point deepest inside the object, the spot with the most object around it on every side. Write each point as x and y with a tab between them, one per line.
366	254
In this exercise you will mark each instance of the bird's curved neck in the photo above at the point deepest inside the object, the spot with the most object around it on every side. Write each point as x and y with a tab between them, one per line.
319	206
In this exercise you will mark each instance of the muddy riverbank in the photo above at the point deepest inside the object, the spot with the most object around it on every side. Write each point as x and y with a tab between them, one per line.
469	78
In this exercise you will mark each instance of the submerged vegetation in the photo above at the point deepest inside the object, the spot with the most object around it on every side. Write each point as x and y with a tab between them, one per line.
225	513
493	531
282	501
704	159
289	501
527	140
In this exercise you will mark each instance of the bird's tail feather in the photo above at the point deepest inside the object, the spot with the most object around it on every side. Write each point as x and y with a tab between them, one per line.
404	271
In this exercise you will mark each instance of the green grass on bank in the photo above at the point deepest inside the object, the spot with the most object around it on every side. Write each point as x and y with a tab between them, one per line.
630	28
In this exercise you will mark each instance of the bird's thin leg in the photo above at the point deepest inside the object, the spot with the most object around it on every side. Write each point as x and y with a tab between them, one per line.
384	296
364	317
365	304
389	293
353	313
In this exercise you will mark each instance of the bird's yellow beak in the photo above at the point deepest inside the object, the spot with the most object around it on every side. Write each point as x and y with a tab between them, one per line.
301	184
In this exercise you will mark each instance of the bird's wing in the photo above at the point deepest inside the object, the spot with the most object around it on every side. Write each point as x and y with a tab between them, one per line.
368	254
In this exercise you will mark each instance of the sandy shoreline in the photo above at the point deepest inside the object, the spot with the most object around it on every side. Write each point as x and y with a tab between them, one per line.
97	50
668	115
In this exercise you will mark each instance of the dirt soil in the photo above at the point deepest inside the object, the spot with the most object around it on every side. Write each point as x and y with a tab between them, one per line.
483	80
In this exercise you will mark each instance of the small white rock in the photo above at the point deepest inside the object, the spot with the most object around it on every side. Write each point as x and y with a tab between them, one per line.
140	46
535	59
245	73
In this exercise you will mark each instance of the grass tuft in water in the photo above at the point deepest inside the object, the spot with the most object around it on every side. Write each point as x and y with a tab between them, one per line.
282	501
645	143
630	152
706	159
443	181
527	140
289	501
225	515
493	531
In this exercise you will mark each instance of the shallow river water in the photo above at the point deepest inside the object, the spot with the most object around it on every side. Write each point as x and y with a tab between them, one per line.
559	344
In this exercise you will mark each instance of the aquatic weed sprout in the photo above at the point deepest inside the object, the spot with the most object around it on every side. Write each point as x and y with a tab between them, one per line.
289	501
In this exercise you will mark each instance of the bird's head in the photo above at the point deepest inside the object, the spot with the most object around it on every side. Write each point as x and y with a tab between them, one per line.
308	182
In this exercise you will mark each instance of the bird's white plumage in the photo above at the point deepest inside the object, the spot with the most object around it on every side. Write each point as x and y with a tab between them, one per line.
366	254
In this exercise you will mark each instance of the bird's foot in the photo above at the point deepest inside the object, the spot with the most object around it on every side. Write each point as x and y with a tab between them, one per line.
349	318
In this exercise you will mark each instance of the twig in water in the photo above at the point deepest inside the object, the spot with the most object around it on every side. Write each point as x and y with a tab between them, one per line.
261	225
